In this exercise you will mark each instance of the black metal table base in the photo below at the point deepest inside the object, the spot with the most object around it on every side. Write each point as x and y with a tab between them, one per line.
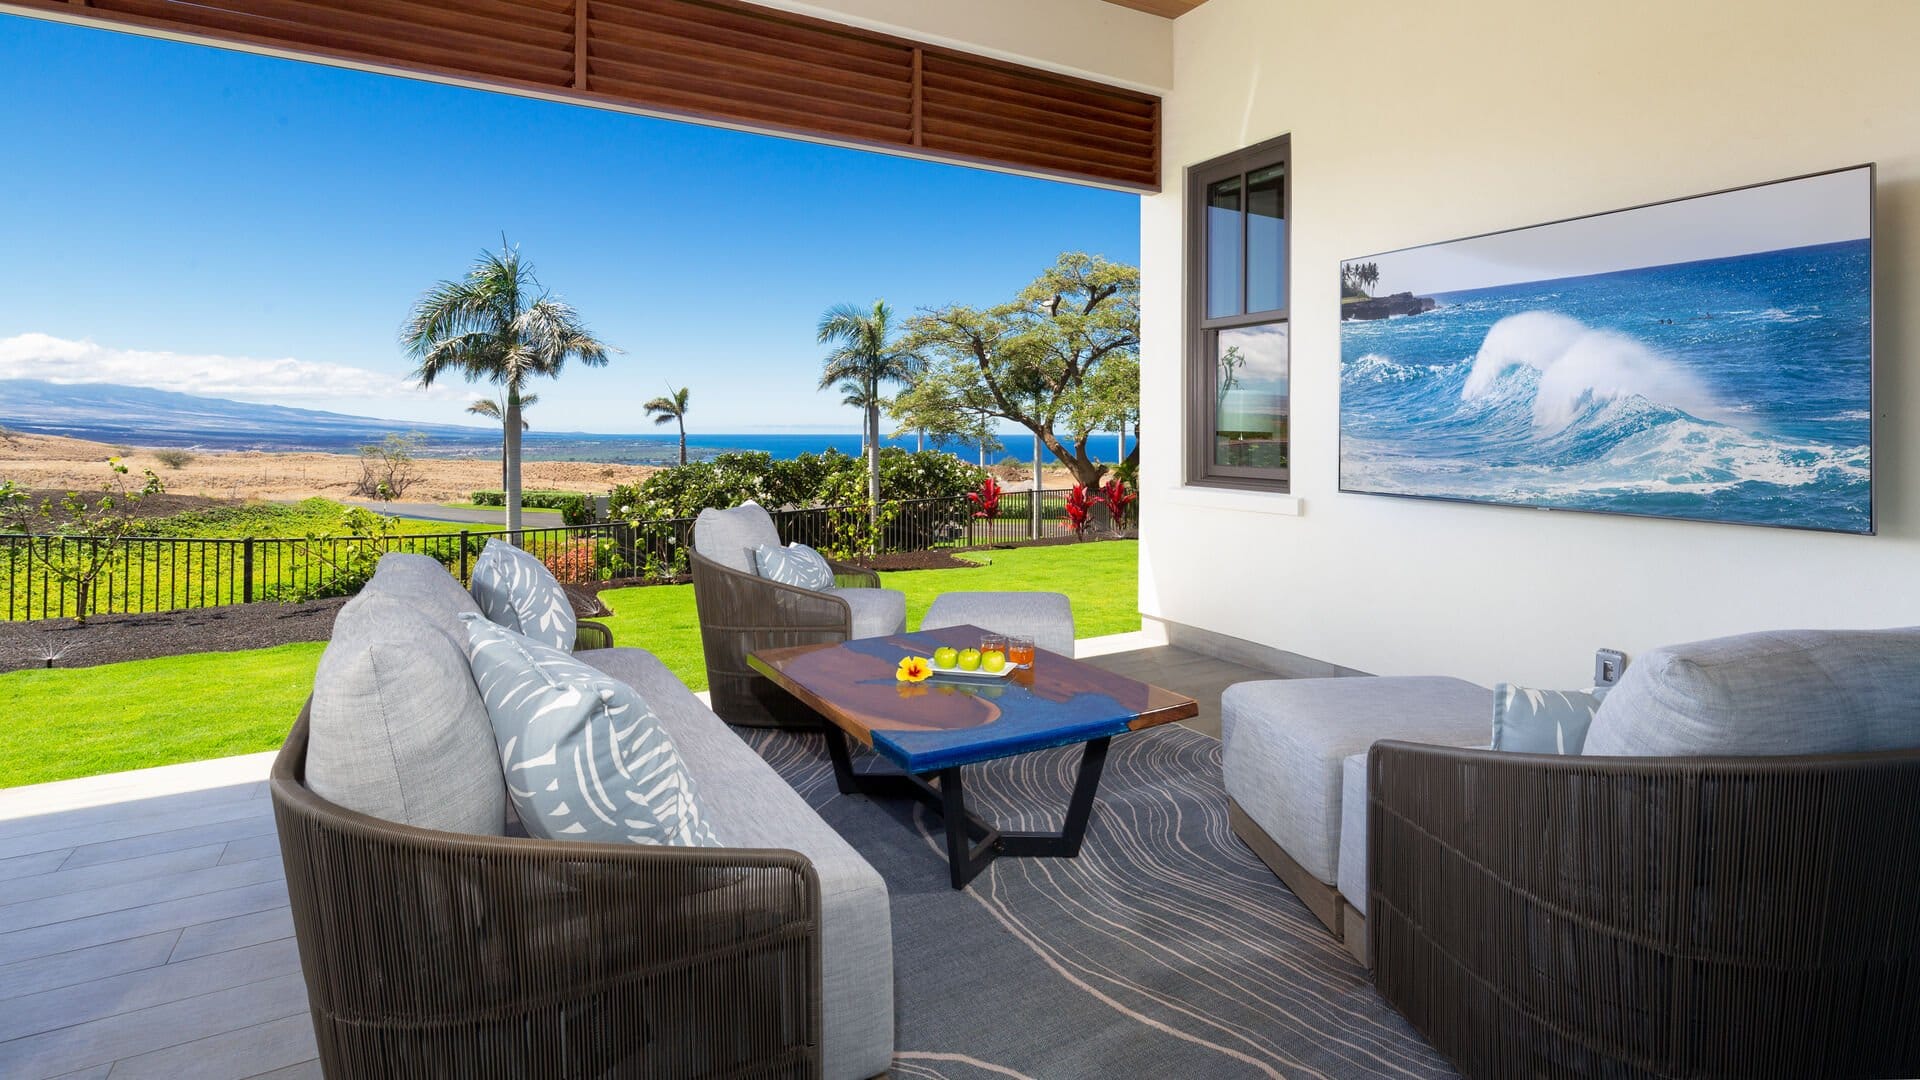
972	844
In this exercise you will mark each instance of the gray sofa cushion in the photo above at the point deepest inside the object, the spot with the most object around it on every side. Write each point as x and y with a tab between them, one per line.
730	537
585	758
752	806
1285	741
1045	616
1784	692
517	591
795	564
396	728
425	586
876	612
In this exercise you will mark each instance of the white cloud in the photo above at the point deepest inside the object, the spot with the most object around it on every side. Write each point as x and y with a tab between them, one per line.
245	378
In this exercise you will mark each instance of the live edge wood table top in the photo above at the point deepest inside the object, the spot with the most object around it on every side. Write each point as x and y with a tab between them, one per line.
949	720
928	730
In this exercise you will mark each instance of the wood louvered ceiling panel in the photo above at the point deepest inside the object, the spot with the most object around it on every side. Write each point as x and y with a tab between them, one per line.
973	107
722	60
528	41
751	65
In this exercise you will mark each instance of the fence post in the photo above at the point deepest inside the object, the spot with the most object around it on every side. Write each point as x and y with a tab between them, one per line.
246	572
463	556
1033	505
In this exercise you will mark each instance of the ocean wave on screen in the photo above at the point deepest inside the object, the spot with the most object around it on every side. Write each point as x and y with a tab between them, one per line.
1571	365
1374	369
1628	447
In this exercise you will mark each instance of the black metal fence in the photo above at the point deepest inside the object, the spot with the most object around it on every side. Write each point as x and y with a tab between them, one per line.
52	577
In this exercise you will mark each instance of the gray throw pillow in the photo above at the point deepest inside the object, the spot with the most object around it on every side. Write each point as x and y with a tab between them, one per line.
585	757
795	564
1543	721
517	591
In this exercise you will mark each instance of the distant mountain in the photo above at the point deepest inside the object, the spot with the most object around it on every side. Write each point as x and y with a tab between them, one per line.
137	416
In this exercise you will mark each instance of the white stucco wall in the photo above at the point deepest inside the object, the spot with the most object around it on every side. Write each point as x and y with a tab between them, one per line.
1414	123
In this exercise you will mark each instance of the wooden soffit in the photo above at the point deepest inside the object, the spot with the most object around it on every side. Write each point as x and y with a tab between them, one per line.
703	60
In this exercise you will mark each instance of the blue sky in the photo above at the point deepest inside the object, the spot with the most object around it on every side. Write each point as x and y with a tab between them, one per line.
210	221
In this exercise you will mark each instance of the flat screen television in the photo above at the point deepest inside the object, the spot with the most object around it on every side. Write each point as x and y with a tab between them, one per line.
1708	358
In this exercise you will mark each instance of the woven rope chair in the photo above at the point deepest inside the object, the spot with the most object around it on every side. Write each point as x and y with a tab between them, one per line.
741	612
437	954
1546	916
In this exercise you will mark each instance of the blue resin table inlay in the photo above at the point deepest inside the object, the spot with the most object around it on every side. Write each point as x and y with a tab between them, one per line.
947	721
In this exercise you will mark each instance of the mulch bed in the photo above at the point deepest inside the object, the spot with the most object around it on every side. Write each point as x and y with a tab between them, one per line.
109	639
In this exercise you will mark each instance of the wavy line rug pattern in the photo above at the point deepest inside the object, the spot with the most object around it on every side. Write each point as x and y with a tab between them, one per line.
1164	950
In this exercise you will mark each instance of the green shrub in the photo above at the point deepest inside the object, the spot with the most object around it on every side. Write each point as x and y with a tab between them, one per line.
575	508
173	459
830	479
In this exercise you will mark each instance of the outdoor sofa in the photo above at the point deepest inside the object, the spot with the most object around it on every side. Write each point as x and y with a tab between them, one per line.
435	943
1726	882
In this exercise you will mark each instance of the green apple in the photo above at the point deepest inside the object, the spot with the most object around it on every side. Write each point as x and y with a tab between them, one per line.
945	655
992	660
970	660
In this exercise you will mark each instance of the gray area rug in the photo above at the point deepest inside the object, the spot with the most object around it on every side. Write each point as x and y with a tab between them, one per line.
1166	949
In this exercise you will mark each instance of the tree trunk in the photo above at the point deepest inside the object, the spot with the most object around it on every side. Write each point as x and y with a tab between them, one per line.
683	439
513	461
873	465
920	445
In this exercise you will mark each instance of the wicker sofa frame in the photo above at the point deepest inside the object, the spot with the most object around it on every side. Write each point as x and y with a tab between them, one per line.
741	612
438	954
1546	916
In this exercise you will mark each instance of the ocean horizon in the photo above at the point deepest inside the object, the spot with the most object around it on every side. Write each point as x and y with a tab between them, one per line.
665	449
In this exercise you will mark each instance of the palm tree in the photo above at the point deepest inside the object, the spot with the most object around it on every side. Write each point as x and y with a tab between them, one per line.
866	354
498	324
672	407
495	409
854	396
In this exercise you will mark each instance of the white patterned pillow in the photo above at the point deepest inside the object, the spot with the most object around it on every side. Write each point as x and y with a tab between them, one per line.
517	591
1543	721
585	757
795	564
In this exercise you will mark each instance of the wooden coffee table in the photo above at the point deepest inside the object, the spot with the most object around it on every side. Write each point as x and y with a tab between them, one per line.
928	730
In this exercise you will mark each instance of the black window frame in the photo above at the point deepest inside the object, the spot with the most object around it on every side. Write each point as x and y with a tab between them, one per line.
1202	331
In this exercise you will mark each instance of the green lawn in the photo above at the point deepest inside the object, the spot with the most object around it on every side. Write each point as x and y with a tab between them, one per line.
83	721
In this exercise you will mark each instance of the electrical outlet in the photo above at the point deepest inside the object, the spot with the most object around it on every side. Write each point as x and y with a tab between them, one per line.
1608	664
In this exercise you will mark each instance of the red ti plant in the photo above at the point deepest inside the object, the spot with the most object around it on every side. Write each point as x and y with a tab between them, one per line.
1079	502
986	501
1117	498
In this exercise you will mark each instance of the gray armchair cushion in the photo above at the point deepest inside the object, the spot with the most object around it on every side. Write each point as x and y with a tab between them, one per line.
1787	692
397	729
1285	741
876	612
1352	869
1047	617
730	537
